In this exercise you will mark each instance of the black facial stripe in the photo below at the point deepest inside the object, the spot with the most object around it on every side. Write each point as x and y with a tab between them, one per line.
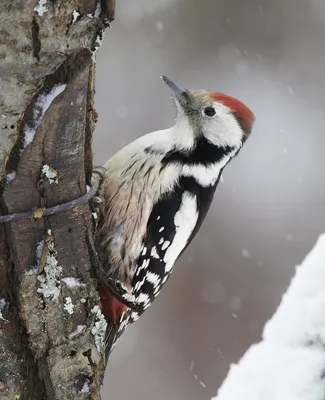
204	153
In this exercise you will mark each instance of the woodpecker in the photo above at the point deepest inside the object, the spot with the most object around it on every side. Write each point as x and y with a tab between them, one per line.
156	195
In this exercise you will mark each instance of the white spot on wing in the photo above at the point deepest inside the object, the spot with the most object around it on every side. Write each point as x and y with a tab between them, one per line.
144	251
154	253
144	265
185	220
161	241
161	229
158	218
143	298
134	315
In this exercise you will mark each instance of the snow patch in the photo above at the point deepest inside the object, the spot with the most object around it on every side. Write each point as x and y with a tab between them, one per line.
98	10
2	306
99	329
68	306
159	26
79	329
42	103
289	361
10	177
75	15
72	282
41	7
85	388
50	278
245	253
214	292
98	43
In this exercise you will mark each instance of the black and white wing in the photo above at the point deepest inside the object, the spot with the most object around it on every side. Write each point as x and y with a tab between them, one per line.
172	225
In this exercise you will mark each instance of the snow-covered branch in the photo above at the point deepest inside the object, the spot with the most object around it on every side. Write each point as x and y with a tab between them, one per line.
289	362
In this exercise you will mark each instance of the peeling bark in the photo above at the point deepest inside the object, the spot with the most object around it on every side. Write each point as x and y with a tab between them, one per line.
47	342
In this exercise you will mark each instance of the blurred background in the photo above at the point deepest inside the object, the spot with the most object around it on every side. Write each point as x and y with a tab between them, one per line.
269	209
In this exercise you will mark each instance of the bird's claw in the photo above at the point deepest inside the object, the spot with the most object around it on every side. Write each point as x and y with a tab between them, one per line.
121	292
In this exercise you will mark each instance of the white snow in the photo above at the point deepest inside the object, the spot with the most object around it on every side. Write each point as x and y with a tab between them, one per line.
75	15
245	253
72	282
214	292
99	328
290	90
235	304
50	173
10	177
260	10
79	329
41	7
43	102
122	112
85	388
159	26
98	10
98	43
288	364
68	306
2	306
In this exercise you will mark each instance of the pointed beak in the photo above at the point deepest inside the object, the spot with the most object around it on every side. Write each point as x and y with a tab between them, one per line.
181	94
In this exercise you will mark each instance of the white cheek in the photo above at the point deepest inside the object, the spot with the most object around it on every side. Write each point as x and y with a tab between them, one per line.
222	129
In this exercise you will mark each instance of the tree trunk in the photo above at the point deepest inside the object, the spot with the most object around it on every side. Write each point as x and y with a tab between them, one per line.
50	321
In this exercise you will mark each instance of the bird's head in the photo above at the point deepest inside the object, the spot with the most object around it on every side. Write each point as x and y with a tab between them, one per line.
219	118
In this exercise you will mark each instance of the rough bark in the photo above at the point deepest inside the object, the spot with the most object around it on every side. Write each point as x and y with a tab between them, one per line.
47	341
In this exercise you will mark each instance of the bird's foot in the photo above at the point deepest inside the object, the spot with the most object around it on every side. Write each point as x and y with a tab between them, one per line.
123	293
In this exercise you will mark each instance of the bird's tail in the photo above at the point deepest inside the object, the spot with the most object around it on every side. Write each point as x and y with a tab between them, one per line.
117	317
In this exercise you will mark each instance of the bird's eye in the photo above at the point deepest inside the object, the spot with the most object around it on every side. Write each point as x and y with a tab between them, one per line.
209	111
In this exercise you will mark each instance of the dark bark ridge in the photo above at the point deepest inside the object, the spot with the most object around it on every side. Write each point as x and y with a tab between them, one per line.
51	325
